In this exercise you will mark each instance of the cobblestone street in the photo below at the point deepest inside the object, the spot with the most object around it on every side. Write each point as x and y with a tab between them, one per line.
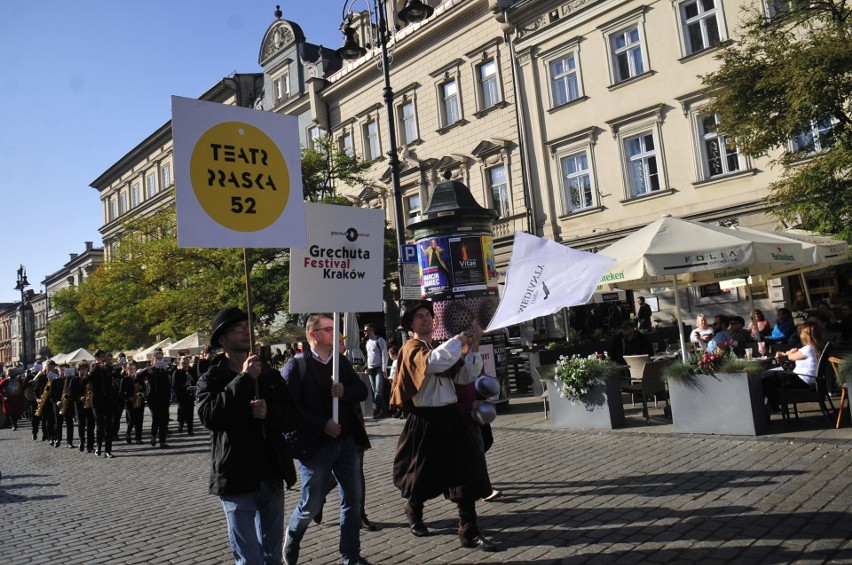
640	494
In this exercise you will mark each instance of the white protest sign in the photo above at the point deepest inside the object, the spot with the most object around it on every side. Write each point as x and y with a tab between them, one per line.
342	267
238	177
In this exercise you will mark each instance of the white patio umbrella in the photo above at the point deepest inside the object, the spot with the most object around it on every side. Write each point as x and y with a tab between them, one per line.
147	354
191	344
78	355
672	251
353	339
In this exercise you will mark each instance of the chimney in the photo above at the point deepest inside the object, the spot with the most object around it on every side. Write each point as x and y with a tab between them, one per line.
73	256
88	246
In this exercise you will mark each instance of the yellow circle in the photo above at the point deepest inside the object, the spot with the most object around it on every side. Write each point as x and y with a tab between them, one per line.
239	176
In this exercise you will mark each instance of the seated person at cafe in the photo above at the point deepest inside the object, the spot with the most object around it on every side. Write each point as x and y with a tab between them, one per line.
741	336
784	328
629	341
804	373
721	333
702	333
759	327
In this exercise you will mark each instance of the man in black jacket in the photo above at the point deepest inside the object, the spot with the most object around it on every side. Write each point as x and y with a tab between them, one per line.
629	341
247	407
323	445
159	396
104	397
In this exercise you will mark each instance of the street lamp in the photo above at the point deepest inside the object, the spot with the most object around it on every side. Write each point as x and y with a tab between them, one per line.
22	284
413	12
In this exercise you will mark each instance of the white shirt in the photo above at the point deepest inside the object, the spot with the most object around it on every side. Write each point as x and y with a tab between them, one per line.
807	368
377	353
439	391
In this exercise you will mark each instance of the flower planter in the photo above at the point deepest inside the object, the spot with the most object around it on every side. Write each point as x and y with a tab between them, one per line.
848	397
724	403
600	409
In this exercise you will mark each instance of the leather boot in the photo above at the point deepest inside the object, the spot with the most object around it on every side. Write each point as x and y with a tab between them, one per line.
414	513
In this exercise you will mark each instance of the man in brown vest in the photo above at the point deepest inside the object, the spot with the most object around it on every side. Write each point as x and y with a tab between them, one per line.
437	452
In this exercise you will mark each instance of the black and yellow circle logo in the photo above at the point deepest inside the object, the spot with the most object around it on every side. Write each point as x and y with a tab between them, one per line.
239	176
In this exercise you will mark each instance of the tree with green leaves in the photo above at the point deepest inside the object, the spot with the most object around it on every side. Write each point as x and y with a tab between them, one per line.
325	167
786	85
70	330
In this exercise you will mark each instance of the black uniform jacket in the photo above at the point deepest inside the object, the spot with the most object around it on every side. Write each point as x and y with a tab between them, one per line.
246	450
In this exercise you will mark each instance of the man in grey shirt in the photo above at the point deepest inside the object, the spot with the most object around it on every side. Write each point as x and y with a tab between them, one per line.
377	369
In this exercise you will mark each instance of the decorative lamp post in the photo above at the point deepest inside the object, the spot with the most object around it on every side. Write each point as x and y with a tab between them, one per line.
413	12
21	285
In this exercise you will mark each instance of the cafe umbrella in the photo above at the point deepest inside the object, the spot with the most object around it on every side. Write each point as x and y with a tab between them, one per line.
673	252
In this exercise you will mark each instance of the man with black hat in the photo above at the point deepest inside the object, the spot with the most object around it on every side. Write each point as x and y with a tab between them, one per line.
629	341
437	452
248	408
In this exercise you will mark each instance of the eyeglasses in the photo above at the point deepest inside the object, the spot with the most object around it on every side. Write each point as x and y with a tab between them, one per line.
329	329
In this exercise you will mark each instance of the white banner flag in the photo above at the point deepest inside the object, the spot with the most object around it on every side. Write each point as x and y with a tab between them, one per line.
544	277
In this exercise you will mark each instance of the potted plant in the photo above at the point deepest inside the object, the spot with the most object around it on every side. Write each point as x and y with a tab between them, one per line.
584	392
716	393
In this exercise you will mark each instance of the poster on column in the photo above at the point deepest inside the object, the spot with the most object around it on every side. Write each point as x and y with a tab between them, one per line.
434	259
491	279
468	266
341	269
238	176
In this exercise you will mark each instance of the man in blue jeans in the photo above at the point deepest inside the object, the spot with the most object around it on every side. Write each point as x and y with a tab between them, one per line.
377	368
248	408
322	445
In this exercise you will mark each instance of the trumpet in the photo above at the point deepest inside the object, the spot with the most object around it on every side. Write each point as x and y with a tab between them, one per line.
43	400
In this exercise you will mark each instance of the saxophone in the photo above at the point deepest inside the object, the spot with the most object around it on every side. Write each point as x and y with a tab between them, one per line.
66	402
138	397
87	400
43	400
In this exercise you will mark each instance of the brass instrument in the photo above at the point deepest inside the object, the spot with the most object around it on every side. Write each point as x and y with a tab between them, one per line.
66	403
87	400
43	400
138	396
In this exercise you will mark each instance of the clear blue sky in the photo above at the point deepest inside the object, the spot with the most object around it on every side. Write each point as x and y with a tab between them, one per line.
84	81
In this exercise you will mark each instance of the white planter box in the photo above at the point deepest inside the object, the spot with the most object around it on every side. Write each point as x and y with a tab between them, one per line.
601	409
725	403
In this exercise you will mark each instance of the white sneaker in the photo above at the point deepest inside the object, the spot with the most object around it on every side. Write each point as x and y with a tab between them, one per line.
495	494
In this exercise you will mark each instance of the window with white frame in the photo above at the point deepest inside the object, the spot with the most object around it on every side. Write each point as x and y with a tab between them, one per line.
643	170
135	194
700	21
371	140
450	109
151	182
166	175
778	7
122	202
281	87
489	87
412	204
345	144
498	185
719	155
408	123
817	136
577	190
627	53
564	81
110	209
314	133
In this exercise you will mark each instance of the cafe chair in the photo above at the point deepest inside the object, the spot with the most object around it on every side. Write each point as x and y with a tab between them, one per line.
636	364
818	392
651	383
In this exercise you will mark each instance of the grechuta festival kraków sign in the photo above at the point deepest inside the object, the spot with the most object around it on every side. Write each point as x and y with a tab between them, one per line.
341	269
237	176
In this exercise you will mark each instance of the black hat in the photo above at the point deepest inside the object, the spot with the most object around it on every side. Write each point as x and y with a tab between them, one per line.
408	316
223	320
